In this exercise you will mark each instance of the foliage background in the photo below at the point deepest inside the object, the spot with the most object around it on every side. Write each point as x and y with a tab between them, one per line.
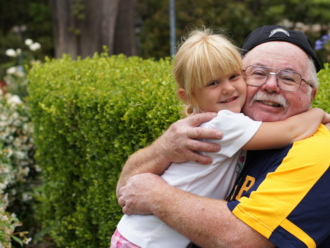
237	18
35	15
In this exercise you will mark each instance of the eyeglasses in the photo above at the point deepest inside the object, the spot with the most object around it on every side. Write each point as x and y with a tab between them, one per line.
287	80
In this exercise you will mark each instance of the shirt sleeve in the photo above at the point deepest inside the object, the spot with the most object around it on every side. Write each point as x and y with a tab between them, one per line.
237	130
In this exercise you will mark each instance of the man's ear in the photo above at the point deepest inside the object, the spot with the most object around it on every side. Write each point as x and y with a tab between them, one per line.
313	94
182	95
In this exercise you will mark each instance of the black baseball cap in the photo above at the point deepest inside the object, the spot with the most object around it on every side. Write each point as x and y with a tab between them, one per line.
278	33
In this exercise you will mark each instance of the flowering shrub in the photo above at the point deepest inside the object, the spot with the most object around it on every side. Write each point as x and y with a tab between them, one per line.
17	166
320	44
8	222
322	48
15	78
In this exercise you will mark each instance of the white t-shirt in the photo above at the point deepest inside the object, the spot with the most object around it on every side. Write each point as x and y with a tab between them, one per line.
213	181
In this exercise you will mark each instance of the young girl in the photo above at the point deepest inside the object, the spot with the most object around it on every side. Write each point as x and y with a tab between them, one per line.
209	75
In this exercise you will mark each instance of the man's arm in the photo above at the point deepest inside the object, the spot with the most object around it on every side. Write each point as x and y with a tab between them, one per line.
175	145
206	222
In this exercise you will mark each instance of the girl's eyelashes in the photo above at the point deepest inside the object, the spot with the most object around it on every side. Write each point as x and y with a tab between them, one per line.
213	83
235	76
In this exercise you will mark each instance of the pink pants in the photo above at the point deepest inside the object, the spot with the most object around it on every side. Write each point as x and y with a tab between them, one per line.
118	241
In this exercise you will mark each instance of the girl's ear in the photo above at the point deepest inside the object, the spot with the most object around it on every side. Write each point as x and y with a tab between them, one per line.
182	95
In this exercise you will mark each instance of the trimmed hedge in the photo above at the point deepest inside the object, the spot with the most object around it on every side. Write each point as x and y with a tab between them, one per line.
89	116
322	99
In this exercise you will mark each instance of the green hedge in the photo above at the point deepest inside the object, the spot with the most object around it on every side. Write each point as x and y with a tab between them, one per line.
322	99
89	116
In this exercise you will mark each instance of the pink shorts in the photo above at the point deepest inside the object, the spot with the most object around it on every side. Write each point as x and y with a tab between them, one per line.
118	241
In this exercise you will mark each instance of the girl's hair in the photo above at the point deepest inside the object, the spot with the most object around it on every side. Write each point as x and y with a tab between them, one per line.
201	55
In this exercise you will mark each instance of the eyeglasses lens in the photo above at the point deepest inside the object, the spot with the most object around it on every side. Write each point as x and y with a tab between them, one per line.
287	80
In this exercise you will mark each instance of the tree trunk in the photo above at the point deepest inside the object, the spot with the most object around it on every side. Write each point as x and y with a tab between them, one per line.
125	34
83	27
62	20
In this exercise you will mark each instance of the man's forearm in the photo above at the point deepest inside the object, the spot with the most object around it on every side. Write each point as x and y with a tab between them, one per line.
207	222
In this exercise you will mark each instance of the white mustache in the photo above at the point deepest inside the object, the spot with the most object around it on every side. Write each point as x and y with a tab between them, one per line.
263	96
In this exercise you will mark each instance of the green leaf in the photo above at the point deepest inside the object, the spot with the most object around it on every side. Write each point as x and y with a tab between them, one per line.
17	240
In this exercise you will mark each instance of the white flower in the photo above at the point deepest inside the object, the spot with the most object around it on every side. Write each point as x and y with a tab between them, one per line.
2	186
21	155
12	70
9	152
18	51
4	217
28	42
20	74
11	52
14	100
38	169
28	241
26	197
35	46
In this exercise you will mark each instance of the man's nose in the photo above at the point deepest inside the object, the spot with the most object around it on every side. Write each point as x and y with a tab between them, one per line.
271	85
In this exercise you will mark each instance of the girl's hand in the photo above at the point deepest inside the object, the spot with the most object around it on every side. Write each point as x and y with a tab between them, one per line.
326	118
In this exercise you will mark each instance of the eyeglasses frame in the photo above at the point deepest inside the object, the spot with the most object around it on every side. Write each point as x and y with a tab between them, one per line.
276	74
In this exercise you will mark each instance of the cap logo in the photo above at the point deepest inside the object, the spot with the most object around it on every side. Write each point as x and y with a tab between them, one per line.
274	31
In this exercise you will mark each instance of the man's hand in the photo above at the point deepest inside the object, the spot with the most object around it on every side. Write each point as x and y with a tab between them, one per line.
140	190
179	142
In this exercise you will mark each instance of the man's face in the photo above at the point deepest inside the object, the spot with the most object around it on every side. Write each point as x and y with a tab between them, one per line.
264	103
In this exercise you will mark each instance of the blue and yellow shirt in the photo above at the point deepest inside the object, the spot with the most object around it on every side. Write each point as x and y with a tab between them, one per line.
284	194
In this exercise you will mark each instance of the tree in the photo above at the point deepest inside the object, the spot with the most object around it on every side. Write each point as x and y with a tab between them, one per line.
83	27
237	18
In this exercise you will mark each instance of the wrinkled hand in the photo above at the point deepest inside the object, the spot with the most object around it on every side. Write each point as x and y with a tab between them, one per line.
178	142
137	196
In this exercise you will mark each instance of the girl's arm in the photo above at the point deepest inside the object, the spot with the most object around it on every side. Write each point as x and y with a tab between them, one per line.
272	135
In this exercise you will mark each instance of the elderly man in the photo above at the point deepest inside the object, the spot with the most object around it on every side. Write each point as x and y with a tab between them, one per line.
282	196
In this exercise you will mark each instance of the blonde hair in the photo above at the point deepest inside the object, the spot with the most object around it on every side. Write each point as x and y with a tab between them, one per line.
202	54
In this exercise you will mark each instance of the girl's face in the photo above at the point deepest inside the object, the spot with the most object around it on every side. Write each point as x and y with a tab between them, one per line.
225	92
